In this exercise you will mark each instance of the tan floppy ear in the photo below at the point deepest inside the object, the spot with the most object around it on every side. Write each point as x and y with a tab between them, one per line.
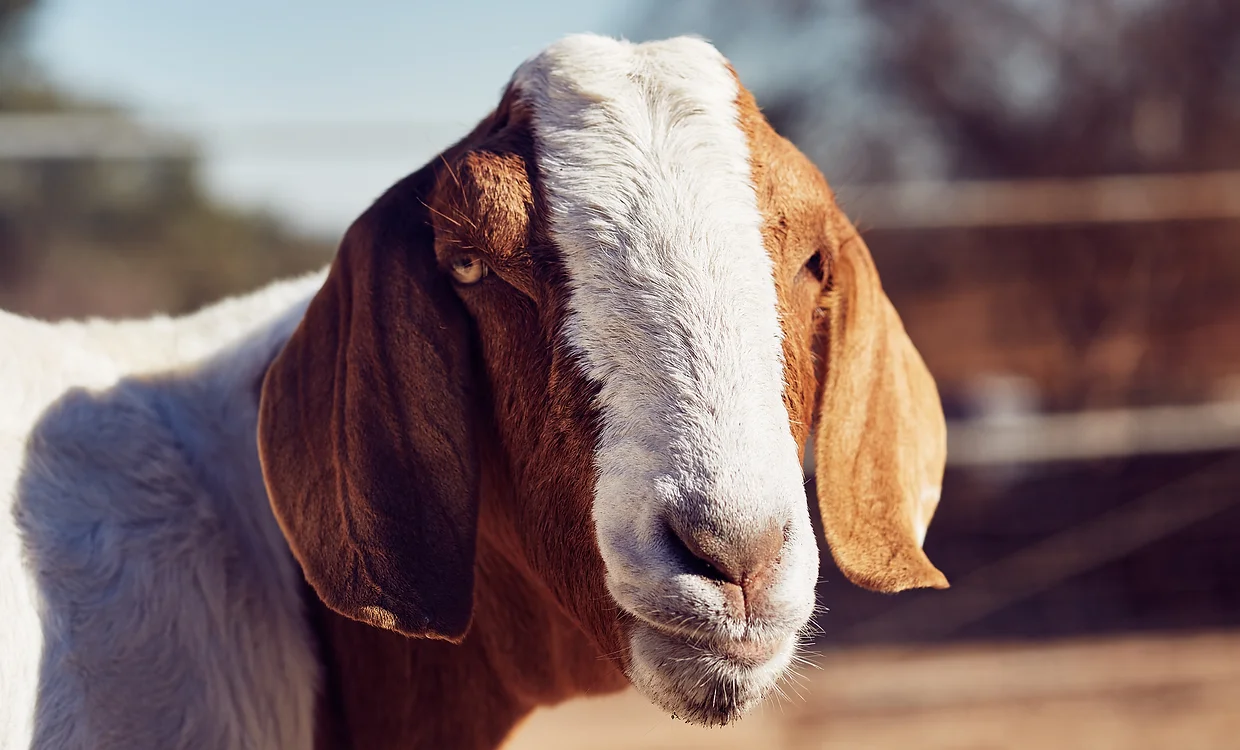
881	440
366	431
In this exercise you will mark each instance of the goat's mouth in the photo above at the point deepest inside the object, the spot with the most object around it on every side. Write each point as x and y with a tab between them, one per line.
708	682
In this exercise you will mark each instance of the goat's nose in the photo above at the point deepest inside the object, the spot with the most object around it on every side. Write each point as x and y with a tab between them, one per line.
744	564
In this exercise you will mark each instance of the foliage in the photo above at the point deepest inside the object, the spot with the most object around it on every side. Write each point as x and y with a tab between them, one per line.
81	236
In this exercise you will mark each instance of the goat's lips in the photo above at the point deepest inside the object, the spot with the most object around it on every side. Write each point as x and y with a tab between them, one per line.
744	652
749	653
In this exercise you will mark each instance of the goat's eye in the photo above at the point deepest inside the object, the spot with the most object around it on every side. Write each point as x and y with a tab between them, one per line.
813	266
468	269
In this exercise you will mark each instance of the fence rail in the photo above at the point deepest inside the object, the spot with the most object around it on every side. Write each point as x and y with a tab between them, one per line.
1041	438
1025	439
1114	199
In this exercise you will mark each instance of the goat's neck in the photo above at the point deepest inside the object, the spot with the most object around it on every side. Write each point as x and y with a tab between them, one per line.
387	691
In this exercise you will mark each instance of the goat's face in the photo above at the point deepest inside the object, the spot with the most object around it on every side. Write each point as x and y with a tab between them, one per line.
643	292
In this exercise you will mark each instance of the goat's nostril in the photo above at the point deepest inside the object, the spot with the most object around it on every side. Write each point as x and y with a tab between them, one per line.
744	560
700	553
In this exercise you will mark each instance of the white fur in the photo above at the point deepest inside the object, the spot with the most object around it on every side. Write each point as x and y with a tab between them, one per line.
148	597
673	314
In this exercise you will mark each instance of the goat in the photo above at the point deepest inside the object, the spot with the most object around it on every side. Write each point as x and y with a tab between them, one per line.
536	433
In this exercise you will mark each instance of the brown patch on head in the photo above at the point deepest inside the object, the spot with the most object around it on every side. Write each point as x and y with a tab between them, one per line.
409	416
881	437
537	511
797	210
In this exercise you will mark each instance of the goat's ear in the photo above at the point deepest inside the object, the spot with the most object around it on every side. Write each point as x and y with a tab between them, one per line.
881	439
366	431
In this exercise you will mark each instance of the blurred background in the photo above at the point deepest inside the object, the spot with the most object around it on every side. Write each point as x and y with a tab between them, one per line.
1050	188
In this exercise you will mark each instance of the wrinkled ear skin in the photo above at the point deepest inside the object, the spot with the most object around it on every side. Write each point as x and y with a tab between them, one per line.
881	438
366	430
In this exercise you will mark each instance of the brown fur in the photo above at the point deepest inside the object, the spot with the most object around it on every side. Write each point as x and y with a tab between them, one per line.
428	450
881	435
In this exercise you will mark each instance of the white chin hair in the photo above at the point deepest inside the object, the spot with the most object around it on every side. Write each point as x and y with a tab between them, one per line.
696	684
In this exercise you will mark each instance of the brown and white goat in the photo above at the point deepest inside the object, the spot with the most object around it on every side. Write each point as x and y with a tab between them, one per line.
537	435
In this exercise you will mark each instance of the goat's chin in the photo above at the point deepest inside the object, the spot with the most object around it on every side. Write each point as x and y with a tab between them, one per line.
701	684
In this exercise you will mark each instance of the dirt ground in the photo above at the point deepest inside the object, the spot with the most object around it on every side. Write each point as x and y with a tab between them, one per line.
1133	693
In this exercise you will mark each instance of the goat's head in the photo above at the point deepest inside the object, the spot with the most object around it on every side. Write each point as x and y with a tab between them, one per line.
616	305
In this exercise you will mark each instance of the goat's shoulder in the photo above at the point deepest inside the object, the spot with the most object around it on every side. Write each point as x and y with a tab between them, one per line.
155	601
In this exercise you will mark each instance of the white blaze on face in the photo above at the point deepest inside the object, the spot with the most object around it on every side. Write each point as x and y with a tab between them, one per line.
672	307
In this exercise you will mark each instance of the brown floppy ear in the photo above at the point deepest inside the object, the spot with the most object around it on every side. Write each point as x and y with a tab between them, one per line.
366	430
881	439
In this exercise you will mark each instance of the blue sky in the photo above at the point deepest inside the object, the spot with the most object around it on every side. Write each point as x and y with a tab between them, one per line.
308	108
